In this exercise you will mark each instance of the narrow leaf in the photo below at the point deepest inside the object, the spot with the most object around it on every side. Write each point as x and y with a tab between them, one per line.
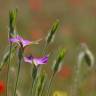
6	56
40	84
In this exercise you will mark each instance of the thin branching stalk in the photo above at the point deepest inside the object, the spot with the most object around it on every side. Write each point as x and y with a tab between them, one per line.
17	77
50	84
34	79
38	69
39	84
44	49
42	90
12	33
19	67
32	86
48	40
10	47
43	86
75	87
84	55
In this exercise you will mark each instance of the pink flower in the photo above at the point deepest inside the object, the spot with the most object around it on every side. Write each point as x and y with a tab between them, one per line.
36	61
22	42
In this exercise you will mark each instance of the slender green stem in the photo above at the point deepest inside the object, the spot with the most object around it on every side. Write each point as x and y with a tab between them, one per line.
34	80
17	76
8	68
37	70
44	49
32	86
50	84
43	87
44	52
75	86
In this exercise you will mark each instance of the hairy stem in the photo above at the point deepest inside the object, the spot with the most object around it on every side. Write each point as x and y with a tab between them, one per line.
17	79
50	84
10	47
34	79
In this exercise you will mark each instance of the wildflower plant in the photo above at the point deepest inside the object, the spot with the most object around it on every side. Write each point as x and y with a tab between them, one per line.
41	84
16	42
84	55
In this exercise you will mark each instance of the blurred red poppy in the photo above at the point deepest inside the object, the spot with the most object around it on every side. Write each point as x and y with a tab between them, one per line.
36	5
65	72
36	33
2	87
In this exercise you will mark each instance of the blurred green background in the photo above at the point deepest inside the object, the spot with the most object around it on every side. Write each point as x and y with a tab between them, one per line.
35	17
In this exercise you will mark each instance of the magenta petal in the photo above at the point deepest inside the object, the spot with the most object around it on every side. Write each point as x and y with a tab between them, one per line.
40	61
26	42
36	61
28	59
19	38
14	40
